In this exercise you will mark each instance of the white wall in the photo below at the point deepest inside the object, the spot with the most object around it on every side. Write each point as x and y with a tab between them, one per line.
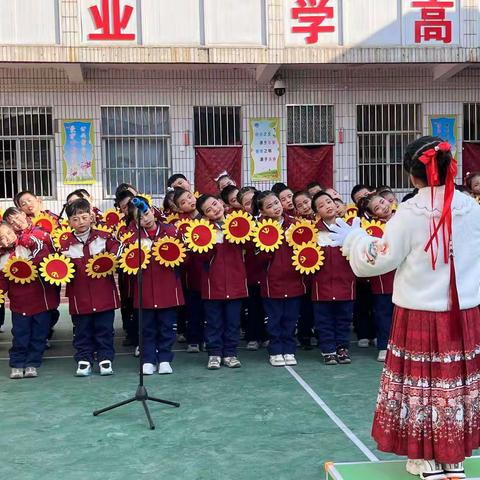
181	90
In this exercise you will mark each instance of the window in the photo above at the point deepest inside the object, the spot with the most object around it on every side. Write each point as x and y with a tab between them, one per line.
310	124
471	122
26	151
383	133
136	148
217	126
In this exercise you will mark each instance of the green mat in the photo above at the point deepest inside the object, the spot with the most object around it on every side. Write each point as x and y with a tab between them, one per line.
390	470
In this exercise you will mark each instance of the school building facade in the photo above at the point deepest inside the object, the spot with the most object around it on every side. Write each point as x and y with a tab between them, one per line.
97	92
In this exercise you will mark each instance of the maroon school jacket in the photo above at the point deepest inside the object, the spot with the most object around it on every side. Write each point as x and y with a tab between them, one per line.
162	286
335	281
281	280
223	272
88	295
37	296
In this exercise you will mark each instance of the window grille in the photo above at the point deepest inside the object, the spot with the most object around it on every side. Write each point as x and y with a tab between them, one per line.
26	151
310	124
136	148
383	133
471	122
217	126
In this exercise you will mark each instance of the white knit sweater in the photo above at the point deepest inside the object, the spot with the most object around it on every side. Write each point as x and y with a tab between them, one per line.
417	286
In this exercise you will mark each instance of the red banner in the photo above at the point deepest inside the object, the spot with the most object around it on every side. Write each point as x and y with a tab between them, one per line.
309	164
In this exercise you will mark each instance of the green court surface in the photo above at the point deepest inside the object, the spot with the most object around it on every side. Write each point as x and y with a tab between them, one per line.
392	470
256	422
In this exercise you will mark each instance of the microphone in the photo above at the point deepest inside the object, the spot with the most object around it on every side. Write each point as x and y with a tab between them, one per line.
140	204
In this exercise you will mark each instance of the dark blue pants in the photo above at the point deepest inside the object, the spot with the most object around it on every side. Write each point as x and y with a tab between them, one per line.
222	327
129	319
54	317
94	332
383	311
282	320
29	339
159	334
255	316
332	322
2	314
195	317
363	320
305	321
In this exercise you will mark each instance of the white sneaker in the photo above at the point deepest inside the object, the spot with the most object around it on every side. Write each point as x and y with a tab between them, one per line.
84	369
232	362
193	348
277	361
106	367
2	328
432	470
164	368
253	345
136	353
30	372
148	368
363	343
414	467
214	362
16	373
290	359
454	470
382	355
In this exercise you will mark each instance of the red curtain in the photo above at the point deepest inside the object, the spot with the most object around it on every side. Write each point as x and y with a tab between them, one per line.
470	158
309	164
211	161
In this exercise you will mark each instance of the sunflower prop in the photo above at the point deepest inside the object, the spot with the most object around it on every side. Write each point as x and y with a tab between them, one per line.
268	235
103	228
477	198
2	297
238	227
308	258
182	225
57	269
172	218
200	236
1	214
301	232
45	221
20	270
101	265
112	217
373	227
126	236
61	236
129	259
147	197
169	252
350	216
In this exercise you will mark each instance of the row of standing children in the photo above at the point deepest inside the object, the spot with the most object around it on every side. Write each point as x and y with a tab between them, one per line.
213	286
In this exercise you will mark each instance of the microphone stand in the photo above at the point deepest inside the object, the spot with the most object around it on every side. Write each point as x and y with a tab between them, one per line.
141	395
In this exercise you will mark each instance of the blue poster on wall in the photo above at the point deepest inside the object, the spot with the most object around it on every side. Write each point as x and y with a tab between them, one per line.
445	127
78	155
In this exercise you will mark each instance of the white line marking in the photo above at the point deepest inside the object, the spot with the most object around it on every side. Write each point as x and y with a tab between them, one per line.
364	449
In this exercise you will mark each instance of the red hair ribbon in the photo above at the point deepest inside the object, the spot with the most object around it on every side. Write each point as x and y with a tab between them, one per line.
429	159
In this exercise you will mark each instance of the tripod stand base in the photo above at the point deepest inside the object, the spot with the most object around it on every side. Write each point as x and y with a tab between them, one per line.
141	395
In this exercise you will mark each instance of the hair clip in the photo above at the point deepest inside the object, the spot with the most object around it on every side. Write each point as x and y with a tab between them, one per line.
220	175
170	189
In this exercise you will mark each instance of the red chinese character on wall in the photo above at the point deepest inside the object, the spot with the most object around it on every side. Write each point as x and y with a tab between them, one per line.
313	14
111	22
433	24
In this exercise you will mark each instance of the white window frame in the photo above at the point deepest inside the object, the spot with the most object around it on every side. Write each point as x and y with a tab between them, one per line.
18	139
390	135
106	167
227	125
326	138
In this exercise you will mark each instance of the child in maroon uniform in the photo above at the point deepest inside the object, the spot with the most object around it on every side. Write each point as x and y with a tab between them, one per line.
333	289
282	286
29	203
224	284
92	301
30	303
285	196
161	295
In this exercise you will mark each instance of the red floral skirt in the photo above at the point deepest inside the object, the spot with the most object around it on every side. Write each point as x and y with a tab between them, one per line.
428	406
